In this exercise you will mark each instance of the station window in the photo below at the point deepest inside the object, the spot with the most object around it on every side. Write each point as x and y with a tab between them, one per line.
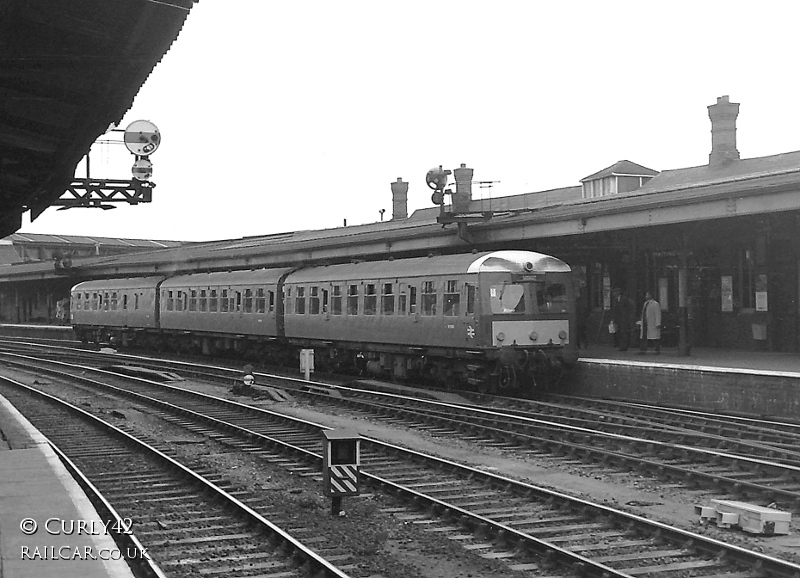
370	300
224	301
387	299
300	301
313	302
212	301
192	299
261	300
336	300
248	300
203	300
429	298
470	299
452	299
352	299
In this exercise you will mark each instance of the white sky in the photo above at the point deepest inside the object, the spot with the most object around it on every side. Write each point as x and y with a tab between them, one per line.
281	116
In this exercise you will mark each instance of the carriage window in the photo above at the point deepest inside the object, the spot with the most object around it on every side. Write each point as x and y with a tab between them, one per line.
125	301
470	299
212	301
136	301
412	300
428	298
179	301
452	299
336	300
300	301
104	301
313	302
551	297
86	301
370	300
387	300
114	301
236	301
261	300
203	299
324	300
402	302
248	300
271	301
224	301
352	299
507	298
192	299
170	301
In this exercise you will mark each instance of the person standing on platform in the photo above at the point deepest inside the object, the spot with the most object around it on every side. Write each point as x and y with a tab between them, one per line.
623	310
650	324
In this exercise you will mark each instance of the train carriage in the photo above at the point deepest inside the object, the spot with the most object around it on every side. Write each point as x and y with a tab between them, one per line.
484	318
108	308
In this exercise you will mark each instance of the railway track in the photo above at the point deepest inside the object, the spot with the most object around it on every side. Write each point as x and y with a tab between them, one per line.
746	468
188	524
526	526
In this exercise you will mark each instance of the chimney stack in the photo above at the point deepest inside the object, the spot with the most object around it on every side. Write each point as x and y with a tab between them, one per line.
399	199
463	194
723	132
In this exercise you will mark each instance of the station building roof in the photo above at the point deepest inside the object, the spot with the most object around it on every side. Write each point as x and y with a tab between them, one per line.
70	69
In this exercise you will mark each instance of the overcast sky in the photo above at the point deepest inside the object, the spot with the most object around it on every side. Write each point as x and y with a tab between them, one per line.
281	116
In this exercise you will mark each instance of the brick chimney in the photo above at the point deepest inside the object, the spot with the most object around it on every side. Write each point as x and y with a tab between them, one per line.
723	132
463	195
399	199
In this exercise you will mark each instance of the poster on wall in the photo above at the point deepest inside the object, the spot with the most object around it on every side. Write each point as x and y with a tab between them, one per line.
606	292
726	286
663	294
761	293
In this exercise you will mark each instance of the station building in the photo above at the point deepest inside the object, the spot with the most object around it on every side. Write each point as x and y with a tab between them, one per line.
718	245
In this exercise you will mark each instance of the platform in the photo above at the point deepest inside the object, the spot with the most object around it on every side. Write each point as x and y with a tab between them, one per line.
750	383
34	485
60	332
703	357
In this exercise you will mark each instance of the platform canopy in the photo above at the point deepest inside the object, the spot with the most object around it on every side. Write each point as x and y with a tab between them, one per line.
68	70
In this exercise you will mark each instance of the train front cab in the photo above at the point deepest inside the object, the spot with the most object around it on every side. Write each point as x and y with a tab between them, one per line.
528	318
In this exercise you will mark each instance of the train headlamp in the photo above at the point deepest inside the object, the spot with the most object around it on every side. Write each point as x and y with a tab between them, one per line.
501	336
534	336
562	335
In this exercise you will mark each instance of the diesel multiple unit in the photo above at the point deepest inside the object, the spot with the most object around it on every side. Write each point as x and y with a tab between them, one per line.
481	320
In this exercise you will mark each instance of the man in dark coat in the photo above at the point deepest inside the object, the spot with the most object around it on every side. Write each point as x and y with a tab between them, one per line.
623	309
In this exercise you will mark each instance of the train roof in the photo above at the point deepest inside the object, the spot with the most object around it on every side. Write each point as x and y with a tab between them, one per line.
459	264
224	278
128	283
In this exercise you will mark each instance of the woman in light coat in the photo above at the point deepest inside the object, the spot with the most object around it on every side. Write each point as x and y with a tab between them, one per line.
650	329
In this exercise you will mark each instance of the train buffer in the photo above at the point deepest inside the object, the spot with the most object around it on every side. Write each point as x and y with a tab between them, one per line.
749	517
